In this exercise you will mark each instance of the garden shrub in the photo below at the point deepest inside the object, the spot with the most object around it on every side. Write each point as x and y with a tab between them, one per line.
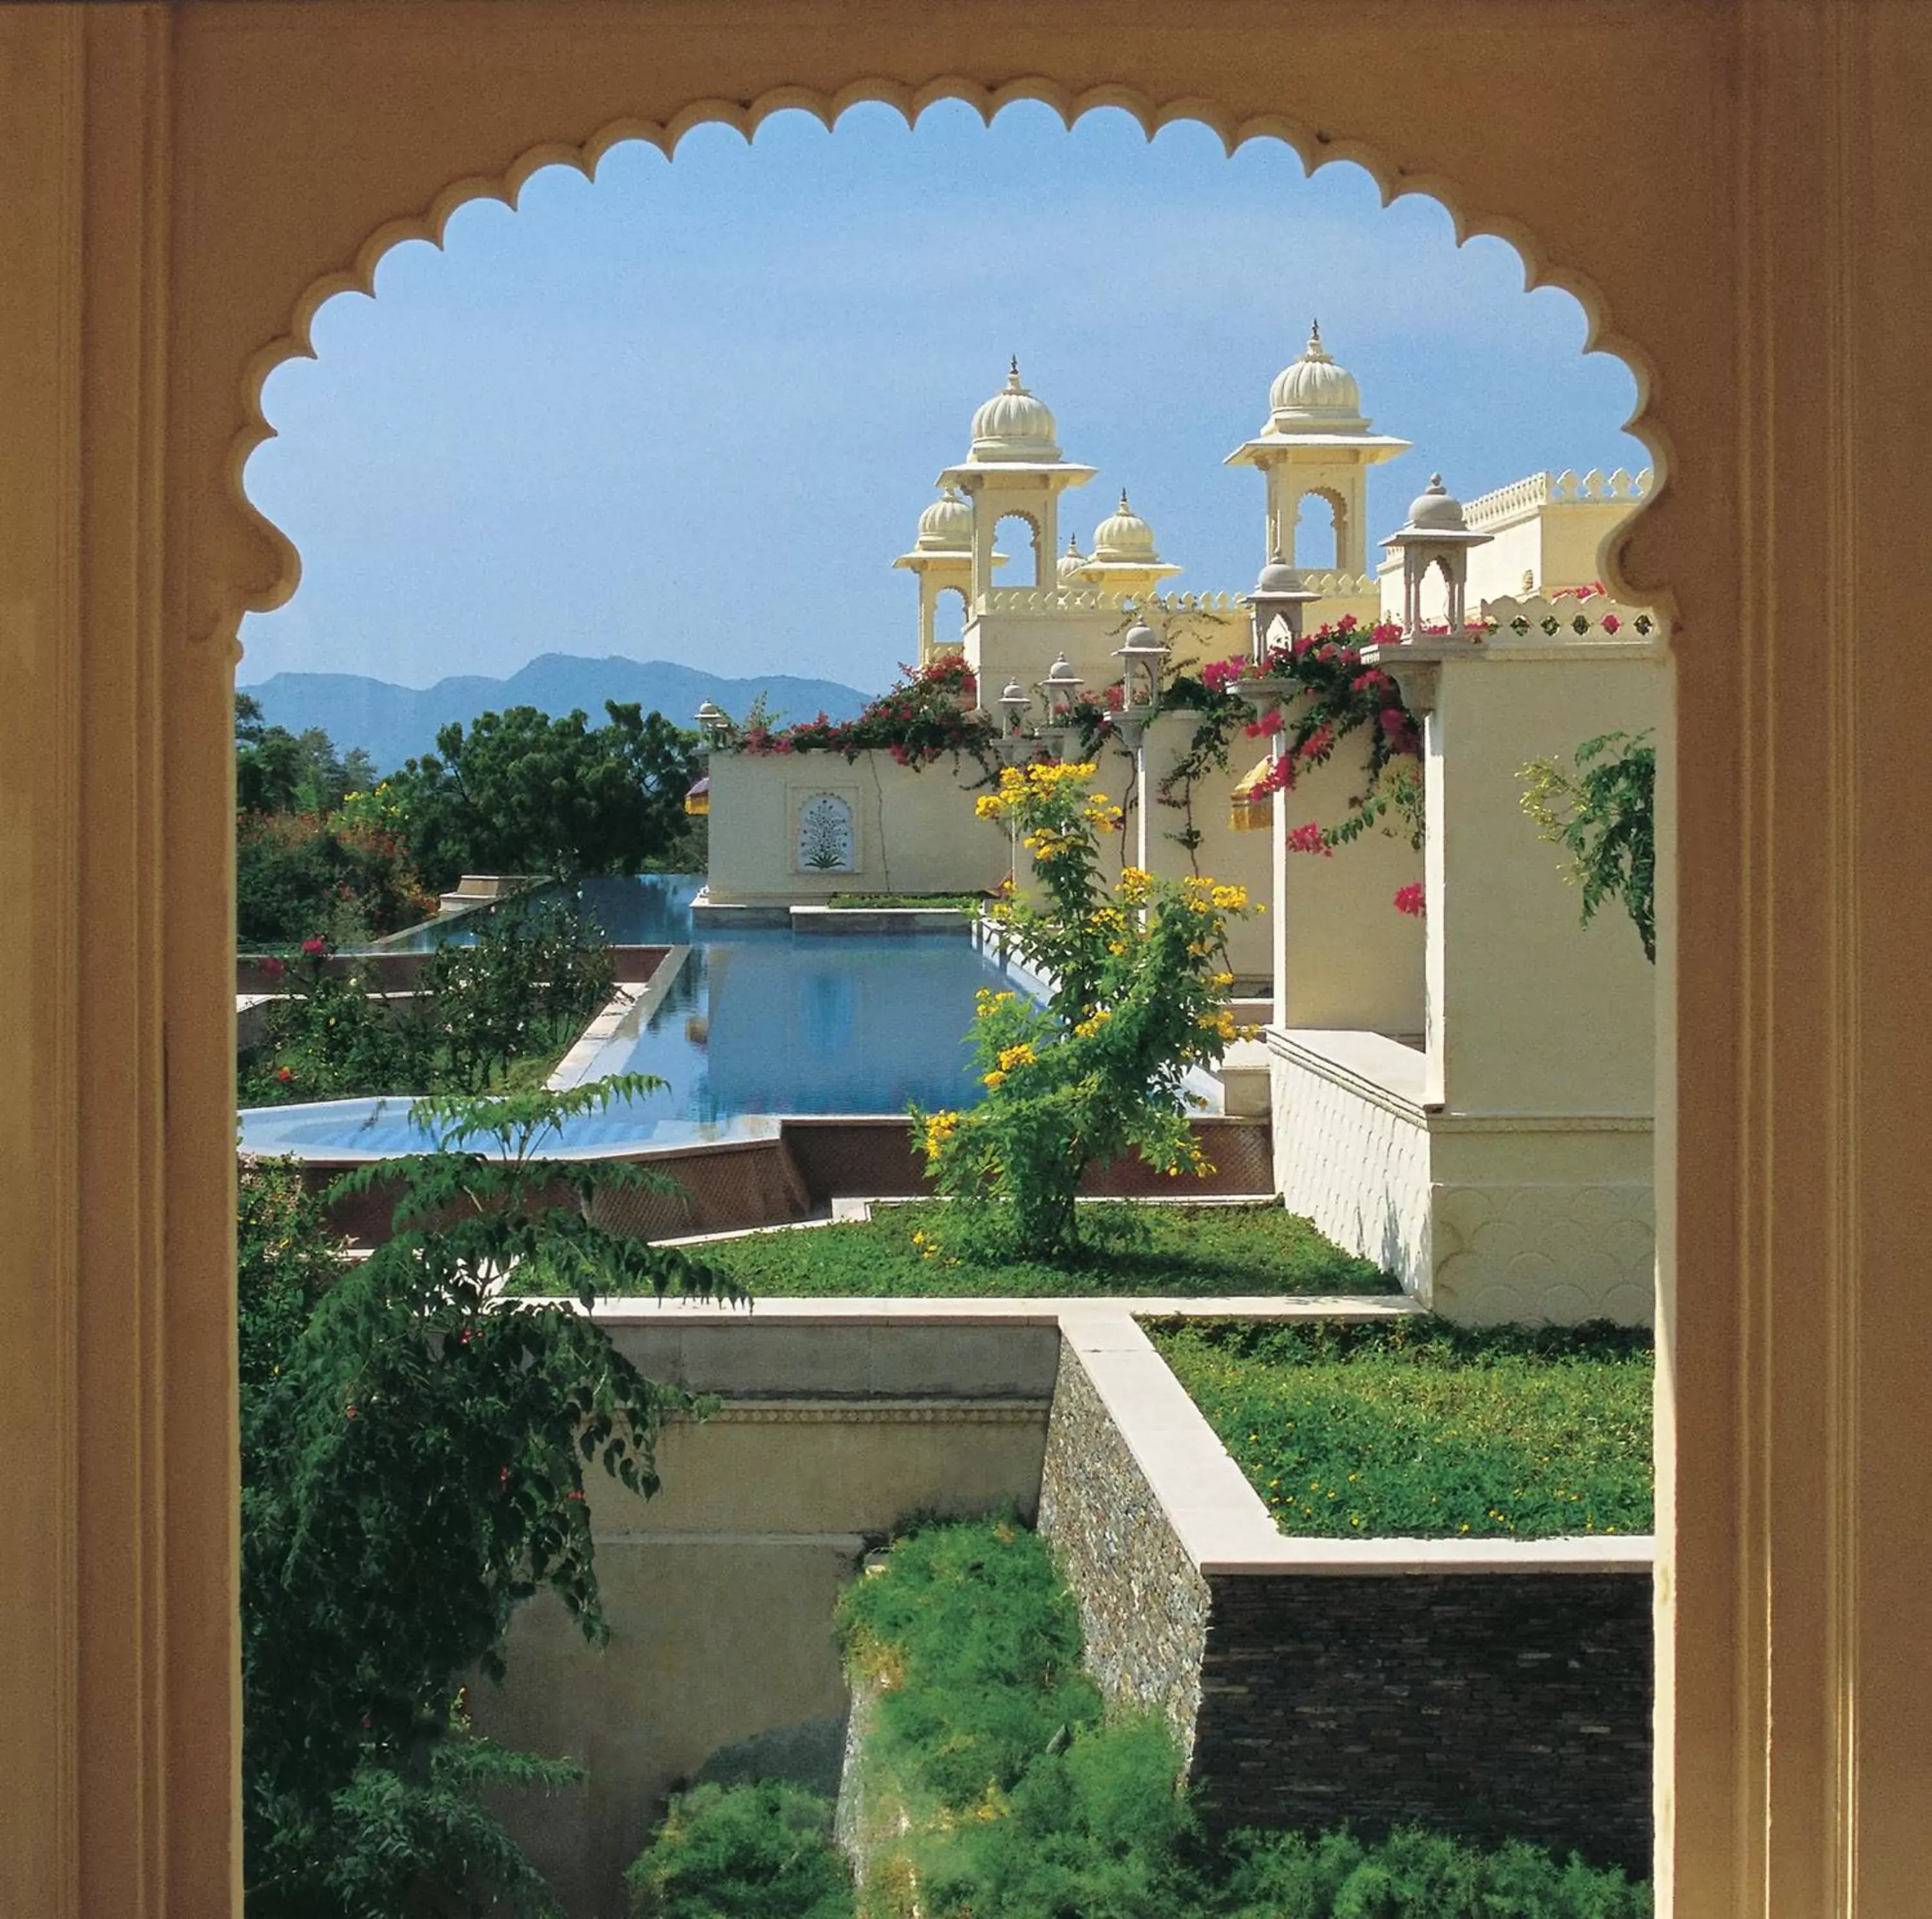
483	1015
1418	1427
1412	1874
300	876
755	1852
976	1643
1140	995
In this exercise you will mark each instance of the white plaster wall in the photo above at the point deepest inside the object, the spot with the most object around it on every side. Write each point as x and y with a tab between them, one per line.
1349	959
915	830
1546	1223
1357	1165
1538	1015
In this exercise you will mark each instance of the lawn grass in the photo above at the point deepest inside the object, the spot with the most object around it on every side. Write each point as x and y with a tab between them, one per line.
1184	1252
1423	1429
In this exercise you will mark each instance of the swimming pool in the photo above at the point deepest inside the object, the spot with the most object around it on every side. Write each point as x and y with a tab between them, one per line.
755	1024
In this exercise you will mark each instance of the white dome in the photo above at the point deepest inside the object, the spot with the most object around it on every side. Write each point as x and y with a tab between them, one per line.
1277	578
1124	536
1315	395
1072	564
946	525
1013	425
1438	510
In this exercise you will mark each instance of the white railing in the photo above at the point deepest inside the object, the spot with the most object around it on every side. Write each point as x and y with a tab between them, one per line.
1541	621
1567	488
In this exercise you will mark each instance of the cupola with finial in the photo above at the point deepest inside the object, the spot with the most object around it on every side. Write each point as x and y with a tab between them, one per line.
1125	559
1014	469
1316	444
1434	538
941	559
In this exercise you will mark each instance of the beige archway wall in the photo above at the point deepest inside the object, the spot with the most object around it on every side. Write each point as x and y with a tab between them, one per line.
1734	186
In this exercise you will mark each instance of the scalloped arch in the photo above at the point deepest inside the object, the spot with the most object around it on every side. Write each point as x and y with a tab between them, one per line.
1315	150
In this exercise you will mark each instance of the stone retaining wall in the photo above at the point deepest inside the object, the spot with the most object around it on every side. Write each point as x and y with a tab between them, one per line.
1493	1689
1144	1605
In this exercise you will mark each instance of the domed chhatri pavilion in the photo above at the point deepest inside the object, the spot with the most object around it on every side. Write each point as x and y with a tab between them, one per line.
1461	1093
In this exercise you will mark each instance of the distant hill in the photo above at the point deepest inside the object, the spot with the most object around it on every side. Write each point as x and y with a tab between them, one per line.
393	724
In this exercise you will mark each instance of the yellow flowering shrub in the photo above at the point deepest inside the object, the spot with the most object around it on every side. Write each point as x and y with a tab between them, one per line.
1140	997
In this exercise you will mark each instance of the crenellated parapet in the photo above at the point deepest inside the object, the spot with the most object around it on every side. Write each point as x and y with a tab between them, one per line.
1328	584
1090	599
1488	511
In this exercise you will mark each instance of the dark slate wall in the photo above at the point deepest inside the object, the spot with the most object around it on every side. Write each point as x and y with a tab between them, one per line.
1492	1705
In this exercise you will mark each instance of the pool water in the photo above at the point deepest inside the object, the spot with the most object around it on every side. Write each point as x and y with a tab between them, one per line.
754	1023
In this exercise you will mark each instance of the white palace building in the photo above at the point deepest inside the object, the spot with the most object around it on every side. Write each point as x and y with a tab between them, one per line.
1464	1095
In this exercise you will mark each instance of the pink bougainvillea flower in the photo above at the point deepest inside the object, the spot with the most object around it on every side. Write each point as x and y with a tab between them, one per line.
315	947
273	969
1307	838
1409	900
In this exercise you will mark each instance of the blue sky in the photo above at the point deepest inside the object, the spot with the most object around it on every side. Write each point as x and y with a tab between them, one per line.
692	411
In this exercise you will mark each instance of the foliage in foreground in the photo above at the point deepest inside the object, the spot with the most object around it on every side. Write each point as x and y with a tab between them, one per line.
1140	995
1021	1799
1182	1252
1604	816
413	1454
761	1851
1420	1429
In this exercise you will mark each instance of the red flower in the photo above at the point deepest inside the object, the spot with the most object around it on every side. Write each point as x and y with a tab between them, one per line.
315	947
1409	900
1308	839
273	969
286	1073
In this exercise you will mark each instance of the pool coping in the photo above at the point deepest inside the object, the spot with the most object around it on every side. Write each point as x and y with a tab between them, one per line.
623	1016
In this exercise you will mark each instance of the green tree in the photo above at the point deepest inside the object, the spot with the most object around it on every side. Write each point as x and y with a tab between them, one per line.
414	1450
519	792
277	771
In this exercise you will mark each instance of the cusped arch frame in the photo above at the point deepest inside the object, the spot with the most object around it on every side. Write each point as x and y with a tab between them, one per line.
1316	149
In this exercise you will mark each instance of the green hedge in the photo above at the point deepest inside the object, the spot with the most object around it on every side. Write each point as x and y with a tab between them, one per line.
1420	1429
1023	1800
1184	1252
760	1852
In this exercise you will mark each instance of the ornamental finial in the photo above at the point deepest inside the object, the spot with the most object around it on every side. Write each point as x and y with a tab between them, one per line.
1013	374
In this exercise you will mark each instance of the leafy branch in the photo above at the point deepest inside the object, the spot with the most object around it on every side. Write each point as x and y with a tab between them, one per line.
1602	815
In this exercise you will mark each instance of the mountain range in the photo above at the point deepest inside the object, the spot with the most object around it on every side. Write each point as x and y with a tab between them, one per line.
392	723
